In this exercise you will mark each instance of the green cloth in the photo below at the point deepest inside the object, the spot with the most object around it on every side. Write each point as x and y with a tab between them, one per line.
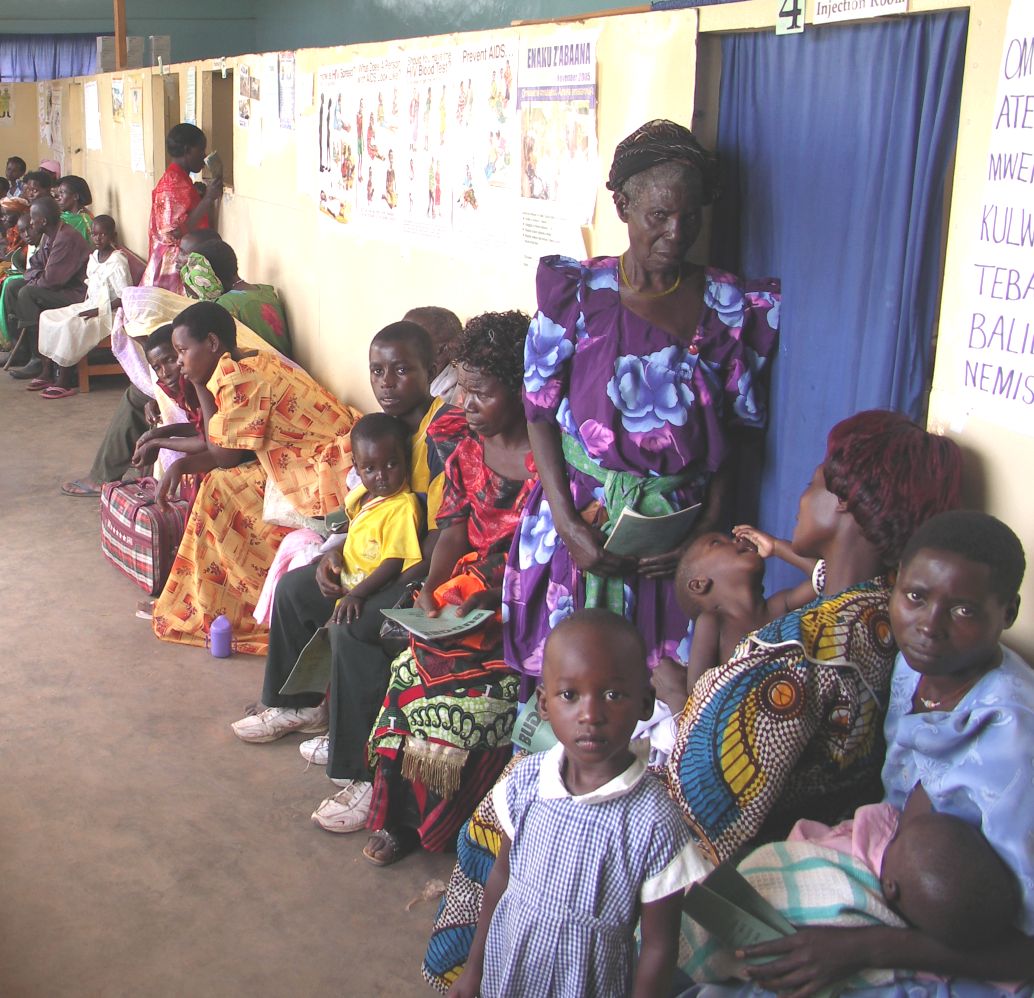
260	310
8	295
621	490
80	221
199	277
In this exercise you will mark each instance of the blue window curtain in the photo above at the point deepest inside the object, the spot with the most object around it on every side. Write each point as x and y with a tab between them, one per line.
835	145
26	58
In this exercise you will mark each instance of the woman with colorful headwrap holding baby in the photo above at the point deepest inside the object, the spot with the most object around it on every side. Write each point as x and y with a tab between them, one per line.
640	371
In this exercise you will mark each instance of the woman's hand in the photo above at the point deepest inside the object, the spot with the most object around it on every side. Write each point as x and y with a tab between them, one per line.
585	545
487	599
807	961
152	413
214	191
348	609
328	574
765	543
145	453
426	602
661	566
90	313
170	483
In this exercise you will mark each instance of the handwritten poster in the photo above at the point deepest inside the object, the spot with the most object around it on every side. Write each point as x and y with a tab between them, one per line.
286	89
190	102
92	115
995	376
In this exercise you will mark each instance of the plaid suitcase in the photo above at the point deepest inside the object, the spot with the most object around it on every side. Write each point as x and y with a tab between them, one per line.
138	537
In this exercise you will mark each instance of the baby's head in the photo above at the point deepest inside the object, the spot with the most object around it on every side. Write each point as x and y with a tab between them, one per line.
942	876
380	452
714	568
595	684
957	589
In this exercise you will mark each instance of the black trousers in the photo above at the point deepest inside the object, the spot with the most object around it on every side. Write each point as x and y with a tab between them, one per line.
360	666
32	300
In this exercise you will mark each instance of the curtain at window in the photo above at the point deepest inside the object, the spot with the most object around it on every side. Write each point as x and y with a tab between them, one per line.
26	58
836	144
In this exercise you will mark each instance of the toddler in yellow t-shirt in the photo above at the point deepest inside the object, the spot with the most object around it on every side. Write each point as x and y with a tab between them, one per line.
385	517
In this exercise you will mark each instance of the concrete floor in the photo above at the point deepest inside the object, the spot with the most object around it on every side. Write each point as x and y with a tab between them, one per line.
143	848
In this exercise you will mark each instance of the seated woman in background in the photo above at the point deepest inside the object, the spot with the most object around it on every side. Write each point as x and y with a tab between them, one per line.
68	334
36	183
443	735
210	274
11	209
176	207
14	278
73	197
254	402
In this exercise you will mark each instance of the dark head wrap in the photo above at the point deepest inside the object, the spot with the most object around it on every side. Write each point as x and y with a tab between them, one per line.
662	141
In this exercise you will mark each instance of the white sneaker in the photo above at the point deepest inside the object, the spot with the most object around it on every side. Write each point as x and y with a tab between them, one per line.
347	810
275	722
316	751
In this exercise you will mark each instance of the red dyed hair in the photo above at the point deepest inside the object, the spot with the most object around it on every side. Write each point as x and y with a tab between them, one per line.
892	475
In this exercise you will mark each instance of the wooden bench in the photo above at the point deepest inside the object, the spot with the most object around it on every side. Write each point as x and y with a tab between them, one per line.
87	370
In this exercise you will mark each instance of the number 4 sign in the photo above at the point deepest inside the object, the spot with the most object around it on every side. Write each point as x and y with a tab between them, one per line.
790	19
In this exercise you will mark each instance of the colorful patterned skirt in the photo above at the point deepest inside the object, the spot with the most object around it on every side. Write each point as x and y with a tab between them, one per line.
222	562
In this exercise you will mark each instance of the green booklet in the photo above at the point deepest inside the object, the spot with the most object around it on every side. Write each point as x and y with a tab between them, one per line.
642	536
311	673
726	905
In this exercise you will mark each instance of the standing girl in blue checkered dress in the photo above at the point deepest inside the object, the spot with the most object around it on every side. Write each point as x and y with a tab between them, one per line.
591	842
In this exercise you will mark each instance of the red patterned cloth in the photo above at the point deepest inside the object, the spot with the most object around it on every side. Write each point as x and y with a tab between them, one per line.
173	199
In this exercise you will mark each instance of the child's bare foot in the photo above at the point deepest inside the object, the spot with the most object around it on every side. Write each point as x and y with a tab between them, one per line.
670	681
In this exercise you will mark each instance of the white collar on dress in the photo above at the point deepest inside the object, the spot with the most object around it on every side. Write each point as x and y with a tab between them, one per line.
551	784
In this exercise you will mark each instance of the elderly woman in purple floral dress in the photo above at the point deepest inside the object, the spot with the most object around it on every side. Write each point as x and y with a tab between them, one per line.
638	370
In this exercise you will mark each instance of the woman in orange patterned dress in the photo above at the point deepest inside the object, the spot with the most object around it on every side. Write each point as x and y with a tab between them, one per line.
255	405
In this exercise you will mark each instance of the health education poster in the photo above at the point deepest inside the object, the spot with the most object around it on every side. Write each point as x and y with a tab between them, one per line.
556	101
487	144
994	375
483	167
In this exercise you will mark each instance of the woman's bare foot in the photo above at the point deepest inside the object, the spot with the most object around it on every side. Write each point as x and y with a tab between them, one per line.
670	682
81	488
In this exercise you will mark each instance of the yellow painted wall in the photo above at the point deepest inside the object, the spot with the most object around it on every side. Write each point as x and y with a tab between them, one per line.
339	289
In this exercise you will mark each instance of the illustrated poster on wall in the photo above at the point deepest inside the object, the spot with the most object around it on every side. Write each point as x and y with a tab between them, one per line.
424	145
338	138
994	378
49	99
190	101
484	160
556	101
118	101
6	105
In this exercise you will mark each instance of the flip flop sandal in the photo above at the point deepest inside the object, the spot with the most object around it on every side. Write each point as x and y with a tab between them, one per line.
402	843
38	384
56	392
80	490
145	609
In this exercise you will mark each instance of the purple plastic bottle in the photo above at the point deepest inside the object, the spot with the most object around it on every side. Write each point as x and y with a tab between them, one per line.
220	638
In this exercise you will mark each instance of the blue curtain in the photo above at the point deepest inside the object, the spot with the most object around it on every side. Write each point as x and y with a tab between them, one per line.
25	58
835	144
